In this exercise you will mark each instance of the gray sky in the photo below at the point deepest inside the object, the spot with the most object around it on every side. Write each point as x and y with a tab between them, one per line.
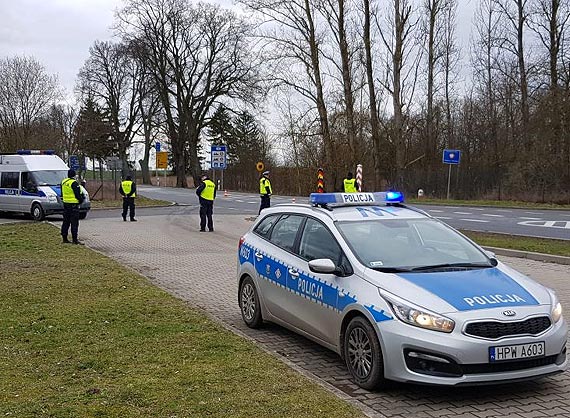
58	33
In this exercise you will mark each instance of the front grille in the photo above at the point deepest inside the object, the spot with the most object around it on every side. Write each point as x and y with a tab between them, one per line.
495	329
509	366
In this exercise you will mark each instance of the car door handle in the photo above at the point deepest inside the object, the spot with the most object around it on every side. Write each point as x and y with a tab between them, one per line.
294	273
259	256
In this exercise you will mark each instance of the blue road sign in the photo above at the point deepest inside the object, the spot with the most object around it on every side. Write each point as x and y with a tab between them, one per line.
218	157
74	162
157	146
451	156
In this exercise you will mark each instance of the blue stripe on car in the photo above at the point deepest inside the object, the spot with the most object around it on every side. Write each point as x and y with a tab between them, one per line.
473	289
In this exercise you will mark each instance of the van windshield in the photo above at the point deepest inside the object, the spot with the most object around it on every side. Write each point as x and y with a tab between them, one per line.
48	177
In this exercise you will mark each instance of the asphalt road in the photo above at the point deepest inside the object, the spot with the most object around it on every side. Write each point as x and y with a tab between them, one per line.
527	222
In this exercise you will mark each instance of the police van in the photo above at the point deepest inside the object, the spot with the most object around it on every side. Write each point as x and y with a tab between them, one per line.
30	183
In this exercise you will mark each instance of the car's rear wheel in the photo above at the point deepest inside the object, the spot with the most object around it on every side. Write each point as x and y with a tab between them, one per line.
37	212
82	215
363	355
249	304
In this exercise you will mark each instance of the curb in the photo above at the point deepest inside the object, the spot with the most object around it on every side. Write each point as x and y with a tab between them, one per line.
547	258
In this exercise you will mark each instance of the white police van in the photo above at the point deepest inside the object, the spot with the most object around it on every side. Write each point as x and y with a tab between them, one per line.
398	294
30	183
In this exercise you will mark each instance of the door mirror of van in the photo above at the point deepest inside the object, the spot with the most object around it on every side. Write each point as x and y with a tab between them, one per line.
322	265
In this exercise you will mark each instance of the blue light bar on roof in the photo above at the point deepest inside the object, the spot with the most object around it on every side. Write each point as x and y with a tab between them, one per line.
352	199
35	152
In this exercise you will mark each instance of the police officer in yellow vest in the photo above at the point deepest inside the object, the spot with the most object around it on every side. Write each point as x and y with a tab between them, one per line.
206	194
265	191
350	184
72	197
128	189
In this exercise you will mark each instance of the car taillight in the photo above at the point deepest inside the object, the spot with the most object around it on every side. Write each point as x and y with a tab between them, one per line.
241	241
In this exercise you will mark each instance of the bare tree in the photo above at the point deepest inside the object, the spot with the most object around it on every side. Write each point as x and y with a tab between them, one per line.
196	55
26	94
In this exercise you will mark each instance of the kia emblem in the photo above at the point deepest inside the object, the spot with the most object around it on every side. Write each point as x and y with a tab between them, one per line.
509	313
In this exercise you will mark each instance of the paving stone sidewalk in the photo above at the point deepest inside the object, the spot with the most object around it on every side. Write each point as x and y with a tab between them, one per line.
200	268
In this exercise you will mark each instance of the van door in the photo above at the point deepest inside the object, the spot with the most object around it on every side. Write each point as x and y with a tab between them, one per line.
9	191
28	192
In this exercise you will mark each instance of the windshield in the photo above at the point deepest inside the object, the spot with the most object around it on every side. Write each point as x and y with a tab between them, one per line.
410	244
48	177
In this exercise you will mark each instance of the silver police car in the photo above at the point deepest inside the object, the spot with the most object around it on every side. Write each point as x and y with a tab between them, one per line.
397	293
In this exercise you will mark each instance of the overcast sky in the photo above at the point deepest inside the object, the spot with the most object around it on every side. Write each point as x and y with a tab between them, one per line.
58	33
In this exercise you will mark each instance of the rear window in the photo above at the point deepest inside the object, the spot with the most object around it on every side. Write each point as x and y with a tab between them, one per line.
264	227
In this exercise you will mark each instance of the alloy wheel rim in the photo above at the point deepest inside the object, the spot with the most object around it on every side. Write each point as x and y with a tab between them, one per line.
360	353
248	301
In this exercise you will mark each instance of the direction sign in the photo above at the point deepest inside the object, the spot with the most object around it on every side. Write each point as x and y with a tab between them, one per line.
451	156
218	157
162	159
74	162
157	146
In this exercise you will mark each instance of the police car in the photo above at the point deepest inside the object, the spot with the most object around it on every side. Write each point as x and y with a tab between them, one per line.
397	293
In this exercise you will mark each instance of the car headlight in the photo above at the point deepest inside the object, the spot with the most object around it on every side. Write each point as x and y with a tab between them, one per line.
52	198
419	317
556	312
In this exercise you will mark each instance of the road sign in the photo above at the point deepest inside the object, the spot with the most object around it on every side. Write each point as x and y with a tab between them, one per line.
451	156
157	146
260	166
162	159
218	157
74	162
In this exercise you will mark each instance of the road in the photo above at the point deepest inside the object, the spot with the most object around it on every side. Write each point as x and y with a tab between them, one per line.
527	222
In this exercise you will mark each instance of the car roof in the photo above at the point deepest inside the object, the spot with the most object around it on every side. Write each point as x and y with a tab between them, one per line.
351	213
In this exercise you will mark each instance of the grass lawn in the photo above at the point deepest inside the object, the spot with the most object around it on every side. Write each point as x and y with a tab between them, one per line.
139	201
498	203
81	336
537	245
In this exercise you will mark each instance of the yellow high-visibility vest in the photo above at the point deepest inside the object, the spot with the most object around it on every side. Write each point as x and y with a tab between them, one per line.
208	192
350	186
126	185
67	194
263	183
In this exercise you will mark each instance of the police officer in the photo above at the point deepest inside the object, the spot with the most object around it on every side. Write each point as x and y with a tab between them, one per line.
350	184
206	194
128	189
72	197
265	191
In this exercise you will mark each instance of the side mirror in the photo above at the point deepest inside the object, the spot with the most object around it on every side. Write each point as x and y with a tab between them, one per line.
493	257
322	265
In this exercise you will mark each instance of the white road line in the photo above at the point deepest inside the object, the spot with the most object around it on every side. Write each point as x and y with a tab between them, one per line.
436	211
463	213
451	207
478	208
442	217
474	220
535	213
494	216
504	210
252	203
238	200
530	219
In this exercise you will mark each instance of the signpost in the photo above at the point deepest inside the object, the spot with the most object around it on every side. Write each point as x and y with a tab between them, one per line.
157	146
218	159
161	161
451	157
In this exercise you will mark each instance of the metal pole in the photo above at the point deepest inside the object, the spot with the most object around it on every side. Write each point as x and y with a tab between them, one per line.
448	181
223	179
359	176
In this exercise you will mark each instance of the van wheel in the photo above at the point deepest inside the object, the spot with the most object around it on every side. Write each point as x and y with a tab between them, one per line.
363	354
82	215
37	212
249	304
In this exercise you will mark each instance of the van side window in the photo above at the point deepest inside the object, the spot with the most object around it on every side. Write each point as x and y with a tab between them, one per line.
10	180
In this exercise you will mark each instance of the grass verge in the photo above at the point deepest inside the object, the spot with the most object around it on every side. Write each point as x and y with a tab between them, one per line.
537	245
139	201
84	337
492	203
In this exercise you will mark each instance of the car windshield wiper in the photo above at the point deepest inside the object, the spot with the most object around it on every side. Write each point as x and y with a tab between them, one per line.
452	265
391	269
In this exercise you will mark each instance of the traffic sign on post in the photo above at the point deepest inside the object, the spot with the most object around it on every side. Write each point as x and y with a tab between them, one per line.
162	159
218	157
451	157
157	146
74	162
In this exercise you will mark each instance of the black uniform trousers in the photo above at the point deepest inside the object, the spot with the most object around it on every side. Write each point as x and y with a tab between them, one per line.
206	210
265	202
129	205
70	218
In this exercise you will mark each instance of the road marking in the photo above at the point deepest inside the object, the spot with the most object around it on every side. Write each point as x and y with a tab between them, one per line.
252	203
478	208
535	213
239	201
504	210
474	220
530	219
442	217
463	213
547	224
436	211
494	216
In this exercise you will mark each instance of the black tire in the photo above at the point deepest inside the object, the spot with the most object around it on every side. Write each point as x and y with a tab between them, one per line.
363	354
37	212
249	303
82	215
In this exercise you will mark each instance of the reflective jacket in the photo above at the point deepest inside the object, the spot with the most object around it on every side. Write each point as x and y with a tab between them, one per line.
209	191
265	186
127	188
70	194
350	186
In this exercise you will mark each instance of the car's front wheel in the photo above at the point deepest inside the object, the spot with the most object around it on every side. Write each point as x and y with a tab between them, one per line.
363	354
249	304
37	212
